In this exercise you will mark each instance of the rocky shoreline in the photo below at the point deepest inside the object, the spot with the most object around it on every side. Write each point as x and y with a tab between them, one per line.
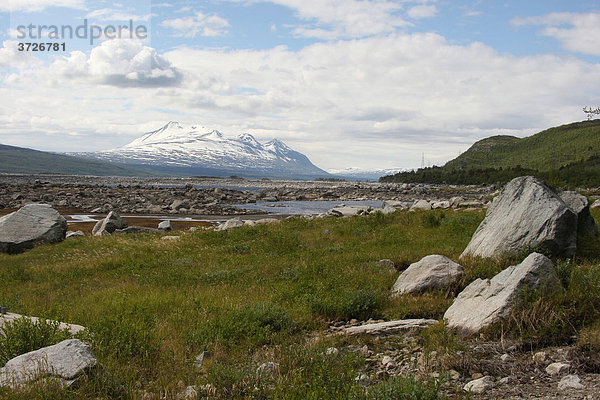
210	196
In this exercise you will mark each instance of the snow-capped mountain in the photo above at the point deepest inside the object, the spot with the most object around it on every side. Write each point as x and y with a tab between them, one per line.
191	150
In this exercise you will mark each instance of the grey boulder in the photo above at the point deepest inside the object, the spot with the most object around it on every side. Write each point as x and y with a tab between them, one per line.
527	212
580	205
233	223
431	272
65	360
108	225
31	225
165	225
486	301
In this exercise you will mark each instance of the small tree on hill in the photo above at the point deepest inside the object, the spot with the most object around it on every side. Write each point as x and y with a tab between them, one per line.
591	112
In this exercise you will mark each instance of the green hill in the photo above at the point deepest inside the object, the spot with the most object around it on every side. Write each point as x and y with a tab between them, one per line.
545	151
565	155
18	160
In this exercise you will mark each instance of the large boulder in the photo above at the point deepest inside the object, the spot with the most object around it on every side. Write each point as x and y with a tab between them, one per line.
31	225
527	212
431	272
232	223
580	205
108	225
486	301
65	360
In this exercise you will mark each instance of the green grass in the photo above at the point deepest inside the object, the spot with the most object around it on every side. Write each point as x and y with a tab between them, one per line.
248	296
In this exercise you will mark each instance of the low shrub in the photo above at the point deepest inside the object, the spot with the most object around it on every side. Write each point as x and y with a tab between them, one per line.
24	335
360	304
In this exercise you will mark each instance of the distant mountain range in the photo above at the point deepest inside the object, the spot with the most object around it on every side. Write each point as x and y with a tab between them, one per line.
363	174
564	155
175	149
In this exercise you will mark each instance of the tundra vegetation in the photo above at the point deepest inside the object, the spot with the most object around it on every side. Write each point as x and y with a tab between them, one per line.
268	294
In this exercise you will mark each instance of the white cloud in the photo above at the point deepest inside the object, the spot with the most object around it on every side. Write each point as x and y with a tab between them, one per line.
576	32
108	14
373	102
422	11
118	62
38	5
198	24
10	56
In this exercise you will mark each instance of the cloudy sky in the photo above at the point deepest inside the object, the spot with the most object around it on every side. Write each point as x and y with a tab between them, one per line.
350	83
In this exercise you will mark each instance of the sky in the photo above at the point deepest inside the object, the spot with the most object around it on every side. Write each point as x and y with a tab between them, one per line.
369	84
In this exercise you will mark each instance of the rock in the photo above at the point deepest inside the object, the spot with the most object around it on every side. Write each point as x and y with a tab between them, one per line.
386	210
397	205
557	368
268	368
389	327
178	204
71	234
201	358
65	360
266	221
581	207
480	385
230	224
30	226
456	201
190	393
170	238
505	357
526	213
386	262
440	204
363	380
332	351
570	382
164	225
135	229
388	362
596	204
540	357
349	211
420	205
431	272
11	317
108	225
486	301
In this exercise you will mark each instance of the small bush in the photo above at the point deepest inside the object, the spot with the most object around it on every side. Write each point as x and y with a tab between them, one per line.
432	219
401	388
23	335
256	324
360	304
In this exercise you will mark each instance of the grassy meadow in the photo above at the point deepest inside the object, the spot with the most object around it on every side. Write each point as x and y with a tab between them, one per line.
260	294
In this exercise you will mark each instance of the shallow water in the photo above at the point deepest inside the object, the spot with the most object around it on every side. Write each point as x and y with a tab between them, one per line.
305	207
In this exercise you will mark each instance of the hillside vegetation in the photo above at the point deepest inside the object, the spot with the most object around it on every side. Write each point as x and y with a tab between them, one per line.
18	160
565	155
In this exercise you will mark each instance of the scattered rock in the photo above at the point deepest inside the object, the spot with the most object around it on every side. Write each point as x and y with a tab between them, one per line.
201	358
480	385
440	204
580	205
71	234
170	237
596	204
389	327
388	362
570	382
363	380
431	272
526	213
230	224
421	205
190	393
165	225
268	368
332	351
65	360
540	357
134	229
486	301
109	224
266	221
505	358
557	368
349	211
30	226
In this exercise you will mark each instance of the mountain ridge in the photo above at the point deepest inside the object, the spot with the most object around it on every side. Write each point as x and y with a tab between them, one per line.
185	150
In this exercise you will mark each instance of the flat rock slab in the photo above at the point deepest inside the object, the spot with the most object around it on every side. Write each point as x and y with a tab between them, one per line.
389	327
11	317
486	301
31	225
65	360
431	272
527	212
